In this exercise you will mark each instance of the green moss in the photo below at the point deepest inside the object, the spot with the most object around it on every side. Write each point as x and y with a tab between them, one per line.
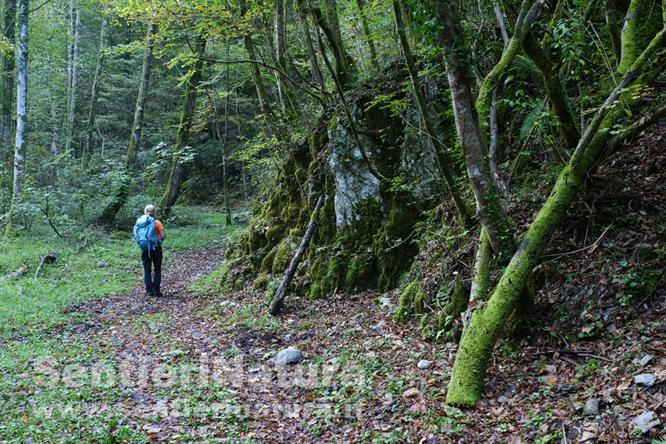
333	277
392	245
361	273
412	300
315	291
239	284
275	232
282	256
261	282
267	261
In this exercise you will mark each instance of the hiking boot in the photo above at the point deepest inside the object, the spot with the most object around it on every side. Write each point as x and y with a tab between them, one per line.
149	294
158	294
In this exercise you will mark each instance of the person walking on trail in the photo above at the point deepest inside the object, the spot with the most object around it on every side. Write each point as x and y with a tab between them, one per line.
149	235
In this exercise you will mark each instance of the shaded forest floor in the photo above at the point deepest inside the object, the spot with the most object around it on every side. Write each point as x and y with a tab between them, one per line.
359	379
199	366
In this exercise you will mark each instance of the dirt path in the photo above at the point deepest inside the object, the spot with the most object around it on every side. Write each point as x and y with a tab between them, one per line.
201	368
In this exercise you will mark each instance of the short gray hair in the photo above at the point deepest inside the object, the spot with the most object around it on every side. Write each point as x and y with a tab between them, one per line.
150	209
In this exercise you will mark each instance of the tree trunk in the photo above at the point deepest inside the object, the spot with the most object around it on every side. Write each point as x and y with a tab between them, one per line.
122	193
7	81
94	93
259	86
343	68
140	108
526	18
281	49
489	206
557	95
281	292
368	35
72	68
312	54
479	338
178	172
613	24
441	153
21	145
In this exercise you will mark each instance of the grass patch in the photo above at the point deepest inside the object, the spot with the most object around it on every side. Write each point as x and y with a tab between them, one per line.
93	265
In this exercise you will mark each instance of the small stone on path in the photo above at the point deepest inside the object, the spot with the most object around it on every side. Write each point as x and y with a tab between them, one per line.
591	407
647	379
289	356
102	264
645	360
424	364
646	421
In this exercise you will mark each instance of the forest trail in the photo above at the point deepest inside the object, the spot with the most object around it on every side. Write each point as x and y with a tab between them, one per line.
208	366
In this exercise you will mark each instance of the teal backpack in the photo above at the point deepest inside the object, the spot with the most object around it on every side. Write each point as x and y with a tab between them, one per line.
144	233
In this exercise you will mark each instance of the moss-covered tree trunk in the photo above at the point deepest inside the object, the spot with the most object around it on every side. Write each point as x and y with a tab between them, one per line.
343	67
557	95
178	170
479	339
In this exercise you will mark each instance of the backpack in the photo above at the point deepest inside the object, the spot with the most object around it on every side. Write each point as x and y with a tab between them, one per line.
144	233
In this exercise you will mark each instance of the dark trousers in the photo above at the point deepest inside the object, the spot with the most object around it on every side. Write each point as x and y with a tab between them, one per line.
154	259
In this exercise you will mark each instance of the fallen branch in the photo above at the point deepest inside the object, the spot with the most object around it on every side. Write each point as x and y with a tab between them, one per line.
278	298
14	274
584	353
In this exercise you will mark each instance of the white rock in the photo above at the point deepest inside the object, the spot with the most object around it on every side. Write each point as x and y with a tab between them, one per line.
591	407
424	364
646	421
647	379
289	356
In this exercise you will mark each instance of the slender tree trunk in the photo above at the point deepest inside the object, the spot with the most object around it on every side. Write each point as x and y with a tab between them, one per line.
527	16
343	67
140	109
441	153
368	35
312	54
21	145
122	193
281	292
7	81
178	172
75	31
259	86
479	338
332	20
488	204
557	95
613	24
94	93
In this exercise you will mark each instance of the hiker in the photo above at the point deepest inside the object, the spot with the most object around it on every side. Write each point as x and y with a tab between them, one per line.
149	234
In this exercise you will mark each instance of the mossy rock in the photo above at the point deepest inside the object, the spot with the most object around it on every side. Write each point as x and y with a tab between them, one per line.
282	256
361	273
412	300
274	232
267	261
261	282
